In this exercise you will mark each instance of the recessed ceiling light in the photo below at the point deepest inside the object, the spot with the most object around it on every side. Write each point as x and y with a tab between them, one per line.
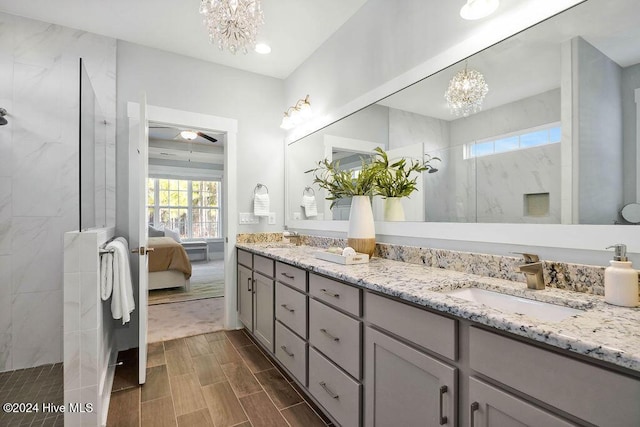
263	48
476	9
188	134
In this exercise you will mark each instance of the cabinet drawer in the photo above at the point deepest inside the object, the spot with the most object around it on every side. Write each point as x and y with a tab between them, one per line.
292	276
263	265
431	331
292	352
335	391
576	387
291	309
245	258
336	335
335	293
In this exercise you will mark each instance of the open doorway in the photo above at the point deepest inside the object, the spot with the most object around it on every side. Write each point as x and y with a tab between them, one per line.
185	222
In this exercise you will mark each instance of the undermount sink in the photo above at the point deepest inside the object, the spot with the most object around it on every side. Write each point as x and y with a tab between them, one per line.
508	303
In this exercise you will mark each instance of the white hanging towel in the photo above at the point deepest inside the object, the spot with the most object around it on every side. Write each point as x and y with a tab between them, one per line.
261	204
106	275
309	204
122	302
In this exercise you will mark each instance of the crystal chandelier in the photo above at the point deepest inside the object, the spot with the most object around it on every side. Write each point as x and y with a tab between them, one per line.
233	24
466	92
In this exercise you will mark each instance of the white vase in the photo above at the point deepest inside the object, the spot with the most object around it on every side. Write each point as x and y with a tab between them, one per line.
362	233
393	210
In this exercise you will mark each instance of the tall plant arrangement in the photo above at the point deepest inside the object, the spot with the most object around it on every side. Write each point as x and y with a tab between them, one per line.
398	179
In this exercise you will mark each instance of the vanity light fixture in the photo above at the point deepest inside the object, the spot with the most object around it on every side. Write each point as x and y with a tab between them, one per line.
466	92
188	135
297	114
477	9
232	23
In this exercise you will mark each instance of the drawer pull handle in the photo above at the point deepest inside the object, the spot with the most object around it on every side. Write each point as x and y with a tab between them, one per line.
474	407
288	276
331	294
287	352
324	331
290	310
443	418
328	390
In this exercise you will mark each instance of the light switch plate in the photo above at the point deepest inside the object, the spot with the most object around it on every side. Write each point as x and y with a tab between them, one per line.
272	218
245	218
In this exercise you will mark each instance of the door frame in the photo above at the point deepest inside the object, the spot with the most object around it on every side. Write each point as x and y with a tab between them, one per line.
206	122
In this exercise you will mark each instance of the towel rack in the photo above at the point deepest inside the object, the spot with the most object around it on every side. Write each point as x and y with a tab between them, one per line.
103	251
259	187
308	189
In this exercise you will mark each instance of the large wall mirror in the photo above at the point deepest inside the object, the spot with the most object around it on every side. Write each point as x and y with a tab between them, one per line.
554	143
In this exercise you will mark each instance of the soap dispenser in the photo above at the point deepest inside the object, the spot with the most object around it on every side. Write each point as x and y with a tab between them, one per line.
620	279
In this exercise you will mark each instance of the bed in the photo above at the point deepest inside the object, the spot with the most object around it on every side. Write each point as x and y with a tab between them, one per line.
169	265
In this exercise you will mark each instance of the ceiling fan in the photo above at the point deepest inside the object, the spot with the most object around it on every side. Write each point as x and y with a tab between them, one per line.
187	134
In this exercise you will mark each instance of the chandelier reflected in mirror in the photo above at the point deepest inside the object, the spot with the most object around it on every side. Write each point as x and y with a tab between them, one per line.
232	24
466	92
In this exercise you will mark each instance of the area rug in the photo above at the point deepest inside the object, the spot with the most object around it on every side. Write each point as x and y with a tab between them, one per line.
170	321
197	291
207	281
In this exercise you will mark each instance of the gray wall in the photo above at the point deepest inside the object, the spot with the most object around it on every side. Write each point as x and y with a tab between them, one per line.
183	83
386	39
599	107
39	176
630	82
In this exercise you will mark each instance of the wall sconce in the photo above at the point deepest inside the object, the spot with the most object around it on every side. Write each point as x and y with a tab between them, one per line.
296	114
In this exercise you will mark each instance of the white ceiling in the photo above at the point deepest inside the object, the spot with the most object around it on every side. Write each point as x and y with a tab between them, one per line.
529	63
293	28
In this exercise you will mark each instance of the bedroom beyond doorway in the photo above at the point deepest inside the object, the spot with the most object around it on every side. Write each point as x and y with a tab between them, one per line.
207	281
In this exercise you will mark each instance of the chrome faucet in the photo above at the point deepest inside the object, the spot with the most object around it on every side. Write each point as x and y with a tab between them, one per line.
532	269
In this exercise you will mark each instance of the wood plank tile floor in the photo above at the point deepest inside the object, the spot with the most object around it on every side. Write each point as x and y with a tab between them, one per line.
220	379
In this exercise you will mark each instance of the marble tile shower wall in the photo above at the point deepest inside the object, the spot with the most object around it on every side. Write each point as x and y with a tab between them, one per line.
576	277
39	175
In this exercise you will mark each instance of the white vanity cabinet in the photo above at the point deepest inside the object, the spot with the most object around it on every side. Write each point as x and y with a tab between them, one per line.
406	386
245	289
596	395
368	359
492	407
255	293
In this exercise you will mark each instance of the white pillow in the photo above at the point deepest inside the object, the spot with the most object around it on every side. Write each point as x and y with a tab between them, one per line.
173	234
154	232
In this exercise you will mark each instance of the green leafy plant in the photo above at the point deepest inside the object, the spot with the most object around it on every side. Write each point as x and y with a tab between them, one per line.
341	184
376	178
394	180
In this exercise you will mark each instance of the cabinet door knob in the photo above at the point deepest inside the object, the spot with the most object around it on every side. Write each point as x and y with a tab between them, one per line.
331	294
328	390
443	418
287	352
474	407
334	338
290	310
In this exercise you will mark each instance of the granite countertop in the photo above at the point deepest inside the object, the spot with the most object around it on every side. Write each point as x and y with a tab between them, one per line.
602	331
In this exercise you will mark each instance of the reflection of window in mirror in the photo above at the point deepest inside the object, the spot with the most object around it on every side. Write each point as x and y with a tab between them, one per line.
526	138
